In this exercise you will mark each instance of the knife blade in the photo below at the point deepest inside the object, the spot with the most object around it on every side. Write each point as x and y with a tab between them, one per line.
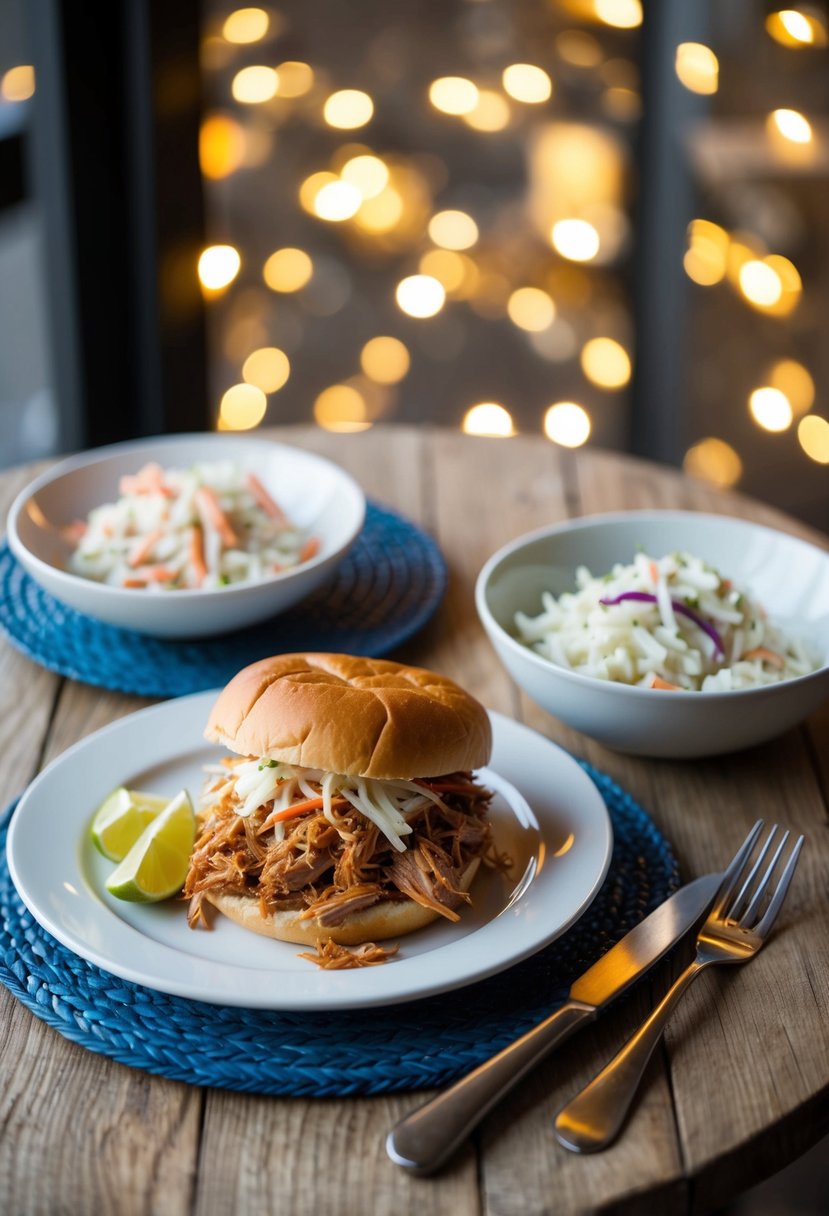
426	1138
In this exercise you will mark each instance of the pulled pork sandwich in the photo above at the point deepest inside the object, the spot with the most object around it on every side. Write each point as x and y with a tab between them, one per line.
349	813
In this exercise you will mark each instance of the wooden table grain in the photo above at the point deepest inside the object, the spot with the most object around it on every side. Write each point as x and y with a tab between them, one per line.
742	1085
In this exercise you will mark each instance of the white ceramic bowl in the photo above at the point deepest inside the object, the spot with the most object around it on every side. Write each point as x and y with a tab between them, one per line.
788	576
316	494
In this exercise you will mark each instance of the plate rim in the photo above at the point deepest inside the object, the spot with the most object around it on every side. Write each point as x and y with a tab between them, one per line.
320	990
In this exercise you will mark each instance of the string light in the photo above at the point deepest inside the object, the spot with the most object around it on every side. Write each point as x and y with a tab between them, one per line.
531	308
255	84
791	124
792	28
770	409
793	379
221	146
622	14
606	363
337	201
218	266
488	418
579	49
246	25
453	95
527	83
567	423
813	436
715	461
490	112
268	368
577	240
697	67
368	173
447	267
341	408
453	230
348	109
385	360
706	257
295	78
420	295
288	269
18	83
382	213
242	407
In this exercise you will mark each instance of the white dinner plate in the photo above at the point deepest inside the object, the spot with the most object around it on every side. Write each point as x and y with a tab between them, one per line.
546	813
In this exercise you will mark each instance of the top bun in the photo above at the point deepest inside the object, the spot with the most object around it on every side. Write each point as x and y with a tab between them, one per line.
361	717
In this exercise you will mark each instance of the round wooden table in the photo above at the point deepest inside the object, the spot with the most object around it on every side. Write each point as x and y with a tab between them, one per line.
742	1085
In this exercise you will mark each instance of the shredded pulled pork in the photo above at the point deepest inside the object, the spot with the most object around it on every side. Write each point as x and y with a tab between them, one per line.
330	956
329	865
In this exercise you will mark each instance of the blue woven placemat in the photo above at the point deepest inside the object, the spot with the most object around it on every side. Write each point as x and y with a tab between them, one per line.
414	1046
386	588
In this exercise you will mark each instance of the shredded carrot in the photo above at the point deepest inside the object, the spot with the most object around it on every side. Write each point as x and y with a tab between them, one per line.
134	582
767	656
142	550
300	808
149	480
264	499
196	549
309	549
156	574
654	573
658	682
74	532
208	504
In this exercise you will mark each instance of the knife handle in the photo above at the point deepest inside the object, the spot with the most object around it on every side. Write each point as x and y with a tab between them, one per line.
429	1135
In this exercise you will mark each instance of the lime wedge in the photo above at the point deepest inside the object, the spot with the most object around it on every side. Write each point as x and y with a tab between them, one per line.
121	818
156	866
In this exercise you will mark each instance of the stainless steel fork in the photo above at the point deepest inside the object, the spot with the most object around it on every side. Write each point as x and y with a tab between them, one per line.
735	930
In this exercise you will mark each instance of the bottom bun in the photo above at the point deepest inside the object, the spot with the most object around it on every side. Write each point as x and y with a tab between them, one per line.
388	918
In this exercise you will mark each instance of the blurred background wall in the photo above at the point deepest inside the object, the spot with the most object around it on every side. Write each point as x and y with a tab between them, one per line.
593	220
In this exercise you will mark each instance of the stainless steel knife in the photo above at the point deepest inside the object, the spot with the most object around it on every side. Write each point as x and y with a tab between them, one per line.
427	1137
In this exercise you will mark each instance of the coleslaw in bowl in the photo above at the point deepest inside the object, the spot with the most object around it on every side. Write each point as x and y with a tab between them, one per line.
269	558
747	704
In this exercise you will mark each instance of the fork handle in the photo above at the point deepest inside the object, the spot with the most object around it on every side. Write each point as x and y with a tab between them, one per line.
594	1118
427	1137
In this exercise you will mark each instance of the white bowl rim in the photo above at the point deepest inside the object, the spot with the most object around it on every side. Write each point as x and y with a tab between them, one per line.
91	456
614	687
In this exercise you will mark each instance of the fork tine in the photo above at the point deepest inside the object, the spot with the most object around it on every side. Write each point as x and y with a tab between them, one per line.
780	894
734	908
732	875
754	903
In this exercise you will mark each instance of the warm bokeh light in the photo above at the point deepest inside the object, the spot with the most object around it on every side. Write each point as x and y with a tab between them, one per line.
287	269
420	295
453	230
218	266
221	146
706	257
311	187
18	83
623	104
792	28
368	173
385	360
488	418
246	25
337	201
382	213
243	406
813	436
697	67
295	78
453	95
268	368
715	461
793	379
606	363
567	423
760	284
254	84
790	280
622	14
579	49
792	125
531	308
341	408
770	409
577	240
447	267
527	83
348	109
491	112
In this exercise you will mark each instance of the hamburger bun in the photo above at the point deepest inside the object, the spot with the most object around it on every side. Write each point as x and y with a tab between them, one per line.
354	716
385	919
